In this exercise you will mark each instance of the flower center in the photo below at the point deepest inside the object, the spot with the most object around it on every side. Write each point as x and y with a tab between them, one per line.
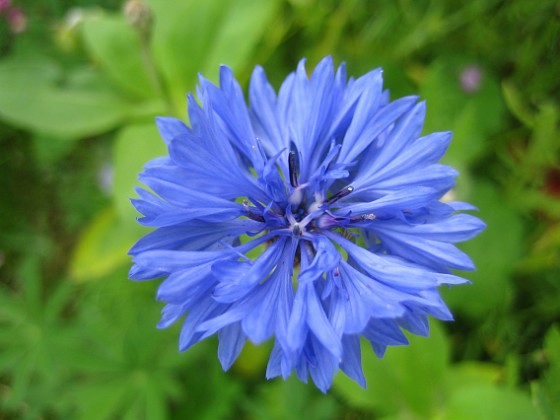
307	208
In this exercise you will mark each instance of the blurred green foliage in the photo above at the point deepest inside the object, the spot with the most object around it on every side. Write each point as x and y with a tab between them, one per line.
79	89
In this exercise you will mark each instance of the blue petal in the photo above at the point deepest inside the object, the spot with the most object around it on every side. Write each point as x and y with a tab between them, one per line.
228	103
456	228
439	177
232	339
319	323
213	164
311	109
337	302
432	305
440	255
352	91
382	333
273	369
170	314
202	310
178	216
421	153
387	270
366	299
170	128
326	258
368	104
195	235
138	272
461	206
297	326
264	109
186	286
271	181
325	366
322	85
148	204
236	279
408	198
265	311
352	360
406	130
374	125
169	260
269	311
199	180
416	323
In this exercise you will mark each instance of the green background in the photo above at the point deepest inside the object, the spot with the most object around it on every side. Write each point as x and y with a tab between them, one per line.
79	89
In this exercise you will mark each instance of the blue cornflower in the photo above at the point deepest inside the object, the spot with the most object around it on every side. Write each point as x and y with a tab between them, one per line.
312	217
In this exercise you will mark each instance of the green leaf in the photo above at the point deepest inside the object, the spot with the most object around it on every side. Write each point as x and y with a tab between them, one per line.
117	47
33	97
407	379
135	145
489	402
194	36
468	373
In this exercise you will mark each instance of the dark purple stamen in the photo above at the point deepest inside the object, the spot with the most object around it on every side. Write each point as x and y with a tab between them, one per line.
256	217
251	213
293	167
342	193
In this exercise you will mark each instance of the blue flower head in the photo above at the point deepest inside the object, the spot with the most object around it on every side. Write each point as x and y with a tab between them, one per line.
311	217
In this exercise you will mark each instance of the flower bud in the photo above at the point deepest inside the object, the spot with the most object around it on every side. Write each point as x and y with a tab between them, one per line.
471	78
139	15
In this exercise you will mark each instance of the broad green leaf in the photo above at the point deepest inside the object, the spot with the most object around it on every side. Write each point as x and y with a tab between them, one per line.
241	27
495	252
467	374
117	47
32	97
135	145
102	247
489	402
194	36
407	379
